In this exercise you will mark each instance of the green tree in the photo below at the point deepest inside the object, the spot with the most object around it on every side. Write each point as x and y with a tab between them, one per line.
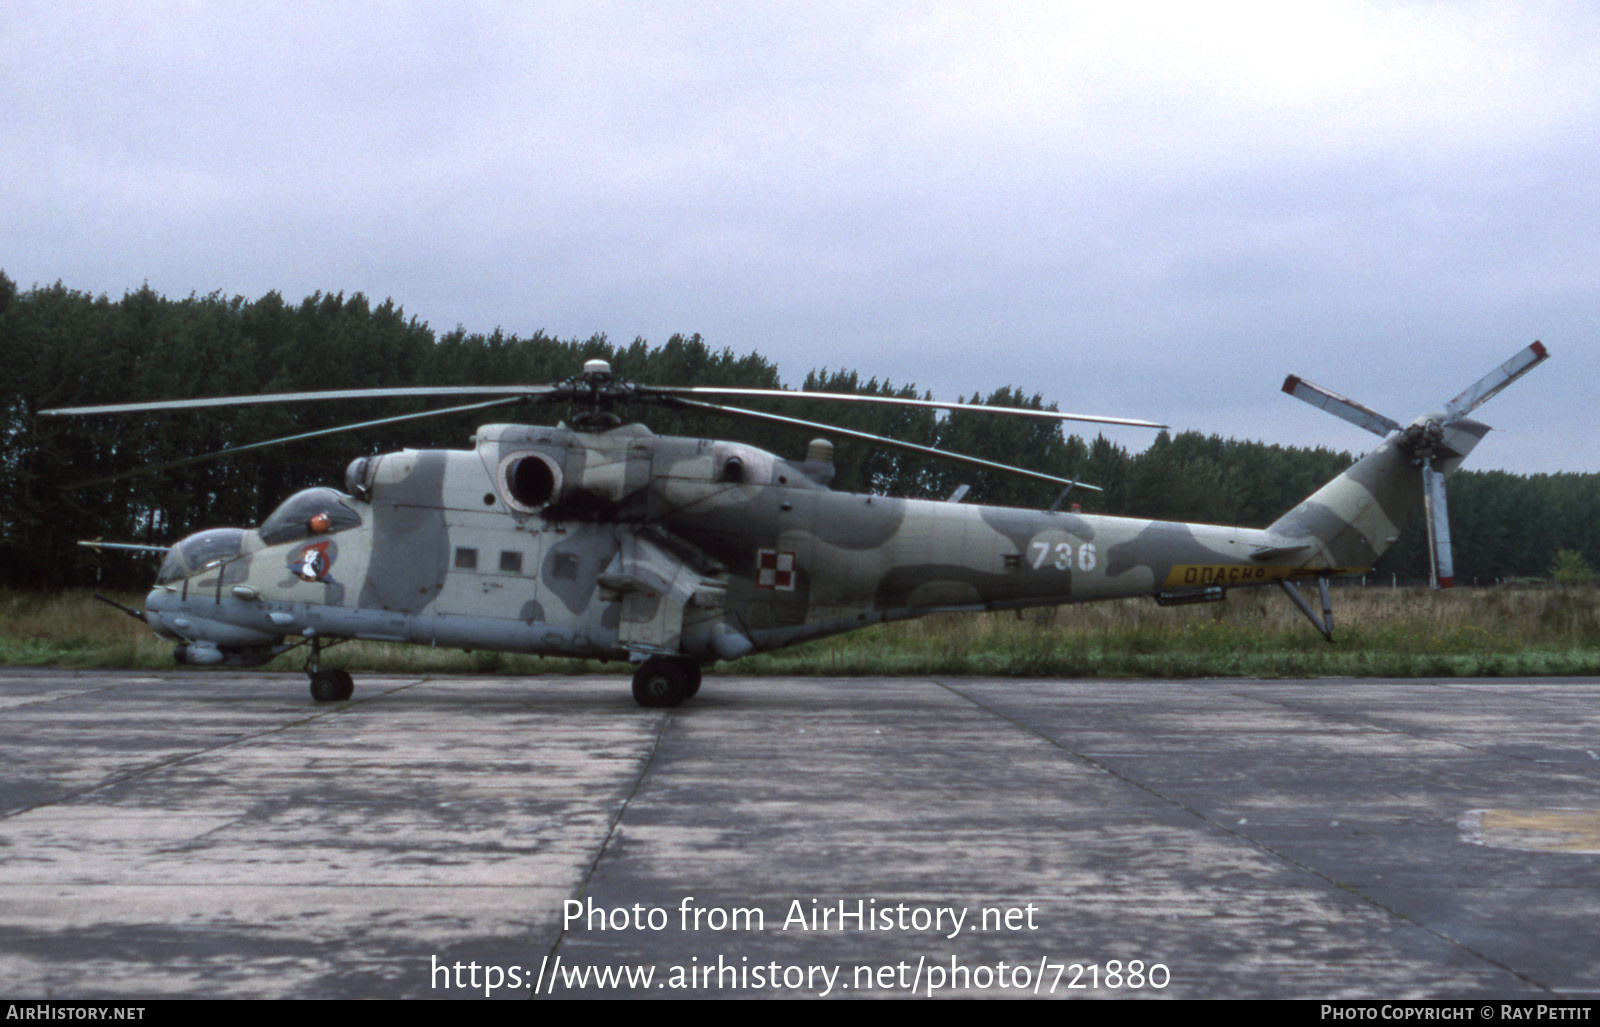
59	347
1570	568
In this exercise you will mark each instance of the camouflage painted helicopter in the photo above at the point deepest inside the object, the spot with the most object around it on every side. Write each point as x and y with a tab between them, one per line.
598	539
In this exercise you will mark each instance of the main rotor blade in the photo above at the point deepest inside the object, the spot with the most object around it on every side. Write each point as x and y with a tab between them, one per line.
1441	563
219	454
850	397
1340	406
519	391
830	429
1489	386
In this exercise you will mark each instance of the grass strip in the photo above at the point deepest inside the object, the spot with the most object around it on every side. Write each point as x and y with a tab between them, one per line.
1509	631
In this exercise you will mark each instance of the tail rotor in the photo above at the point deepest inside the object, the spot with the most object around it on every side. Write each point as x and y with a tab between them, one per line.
1434	443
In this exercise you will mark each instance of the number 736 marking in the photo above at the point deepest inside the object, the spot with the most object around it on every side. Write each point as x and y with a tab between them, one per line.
1059	556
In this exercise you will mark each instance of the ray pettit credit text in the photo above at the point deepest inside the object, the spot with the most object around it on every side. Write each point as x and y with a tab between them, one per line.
921	965
1443	1010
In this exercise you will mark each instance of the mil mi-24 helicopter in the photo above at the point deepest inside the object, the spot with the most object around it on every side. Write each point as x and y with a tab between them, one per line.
595	538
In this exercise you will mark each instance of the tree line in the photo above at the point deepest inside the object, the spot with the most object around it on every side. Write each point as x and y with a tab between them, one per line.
60	347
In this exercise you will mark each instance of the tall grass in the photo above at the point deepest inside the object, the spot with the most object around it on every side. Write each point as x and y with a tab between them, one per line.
1379	632
1510	630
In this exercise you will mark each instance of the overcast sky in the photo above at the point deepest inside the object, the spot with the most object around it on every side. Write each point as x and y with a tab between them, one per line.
1151	210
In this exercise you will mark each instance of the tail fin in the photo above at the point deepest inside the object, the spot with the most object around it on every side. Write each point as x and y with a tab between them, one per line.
1355	517
1350	521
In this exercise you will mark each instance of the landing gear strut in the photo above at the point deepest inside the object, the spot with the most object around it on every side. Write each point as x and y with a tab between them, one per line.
327	685
664	681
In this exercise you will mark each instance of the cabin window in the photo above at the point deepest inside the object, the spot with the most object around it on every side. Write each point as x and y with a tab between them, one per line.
510	562
466	559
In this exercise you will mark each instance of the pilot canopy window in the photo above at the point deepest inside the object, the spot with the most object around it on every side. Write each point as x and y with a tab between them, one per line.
198	552
318	511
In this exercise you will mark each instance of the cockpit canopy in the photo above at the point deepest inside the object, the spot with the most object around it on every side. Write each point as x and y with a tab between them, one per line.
199	551
318	511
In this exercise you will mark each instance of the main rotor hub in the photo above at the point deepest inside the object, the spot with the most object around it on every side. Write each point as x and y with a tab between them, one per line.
599	390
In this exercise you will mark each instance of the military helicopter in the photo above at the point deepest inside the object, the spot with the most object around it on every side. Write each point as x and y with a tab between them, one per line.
595	538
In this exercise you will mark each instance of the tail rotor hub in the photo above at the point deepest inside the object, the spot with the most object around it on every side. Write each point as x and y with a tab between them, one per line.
1423	440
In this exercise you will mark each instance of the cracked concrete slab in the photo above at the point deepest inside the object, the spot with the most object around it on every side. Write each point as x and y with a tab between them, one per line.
208	834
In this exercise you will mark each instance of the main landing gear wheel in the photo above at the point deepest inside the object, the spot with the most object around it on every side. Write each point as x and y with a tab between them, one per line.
332	686
660	681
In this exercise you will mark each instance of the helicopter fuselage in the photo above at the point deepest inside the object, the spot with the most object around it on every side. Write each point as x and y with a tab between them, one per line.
624	545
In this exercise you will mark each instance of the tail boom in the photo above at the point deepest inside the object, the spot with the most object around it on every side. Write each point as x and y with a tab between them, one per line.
1356	517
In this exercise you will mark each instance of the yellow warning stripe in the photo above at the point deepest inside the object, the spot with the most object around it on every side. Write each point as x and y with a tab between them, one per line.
1199	575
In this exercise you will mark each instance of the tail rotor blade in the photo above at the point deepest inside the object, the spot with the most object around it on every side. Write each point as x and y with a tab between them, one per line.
1340	406
1487	387
1441	562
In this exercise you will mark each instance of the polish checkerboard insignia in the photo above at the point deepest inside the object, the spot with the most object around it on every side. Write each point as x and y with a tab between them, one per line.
775	570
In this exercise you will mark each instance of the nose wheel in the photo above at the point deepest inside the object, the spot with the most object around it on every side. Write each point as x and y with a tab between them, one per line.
327	685
664	681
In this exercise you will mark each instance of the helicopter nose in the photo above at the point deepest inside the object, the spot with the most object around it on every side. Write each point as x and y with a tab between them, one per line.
159	605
